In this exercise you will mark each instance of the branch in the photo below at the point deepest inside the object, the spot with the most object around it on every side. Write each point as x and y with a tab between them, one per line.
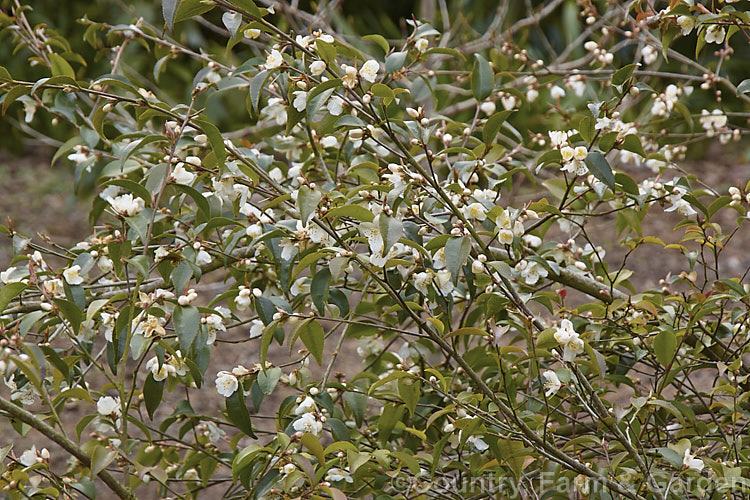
26	417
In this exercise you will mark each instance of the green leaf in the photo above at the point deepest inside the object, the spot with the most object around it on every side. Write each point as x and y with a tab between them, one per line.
10	292
457	250
186	321
633	144
268	378
391	414
482	78
354	211
60	67
311	443
190	8
598	165
313	336
379	41
319	95
743	87
358	404
5	75
512	452
100	458
71	312
168	11
214	138
409	390
621	75
152	394
238	414
493	124
12	95
307	202
319	289
395	61
665	347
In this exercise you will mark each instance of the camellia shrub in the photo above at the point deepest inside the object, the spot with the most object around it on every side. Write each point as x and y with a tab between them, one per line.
327	263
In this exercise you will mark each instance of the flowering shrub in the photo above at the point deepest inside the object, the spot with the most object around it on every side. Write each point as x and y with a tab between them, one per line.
377	256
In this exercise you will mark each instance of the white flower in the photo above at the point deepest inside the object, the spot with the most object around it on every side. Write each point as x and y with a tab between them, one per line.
80	155
203	258
508	102
105	264
72	275
126	205
317	68
551	382
336	474
300	100
649	54
257	328
691	462
275	110
679	205
274	59
531	271
487	107
335	105
288	469
369	346
54	287
422	281
243	299
30	457
306	406
687	23
477	442
557	92
444	282
308	423
182	176
715	34
475	211
251	33
349	79
159	372
565	333
421	44
226	383
107	405
369	70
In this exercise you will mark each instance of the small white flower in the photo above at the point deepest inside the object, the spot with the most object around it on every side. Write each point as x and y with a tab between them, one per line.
306	406
159	372
288	469
72	275
30	457
300	100
349	79
317	68
107	405
369	70
487	107
477	442
335	105
203	258
691	462
336	474
226	383
105	264
257	328
557	92
686	23
126	205
308	423
715	34
551	382
274	60
565	332
475	211
180	175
